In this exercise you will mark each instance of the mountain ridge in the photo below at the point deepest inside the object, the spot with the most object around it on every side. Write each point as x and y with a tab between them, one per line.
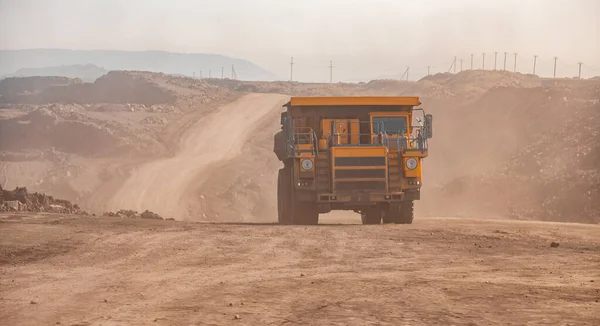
187	64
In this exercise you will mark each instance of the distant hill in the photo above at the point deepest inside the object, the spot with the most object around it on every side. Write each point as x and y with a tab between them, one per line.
88	73
11	61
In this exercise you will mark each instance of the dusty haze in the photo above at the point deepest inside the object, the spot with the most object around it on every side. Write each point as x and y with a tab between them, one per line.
365	39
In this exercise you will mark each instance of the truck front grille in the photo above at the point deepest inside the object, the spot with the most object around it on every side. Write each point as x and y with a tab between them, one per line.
359	185
360	161
366	173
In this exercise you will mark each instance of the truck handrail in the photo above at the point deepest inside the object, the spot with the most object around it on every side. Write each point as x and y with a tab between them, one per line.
405	144
312	139
384	139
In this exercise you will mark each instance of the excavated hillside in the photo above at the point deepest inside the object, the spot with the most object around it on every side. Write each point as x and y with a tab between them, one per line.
527	153
69	138
484	121
505	144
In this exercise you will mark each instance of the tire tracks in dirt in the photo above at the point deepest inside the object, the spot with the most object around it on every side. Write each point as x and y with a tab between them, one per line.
167	186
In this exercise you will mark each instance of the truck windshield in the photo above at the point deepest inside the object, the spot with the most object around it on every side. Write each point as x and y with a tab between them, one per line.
391	125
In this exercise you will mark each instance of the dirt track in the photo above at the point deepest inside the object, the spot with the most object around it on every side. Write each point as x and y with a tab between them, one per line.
168	186
437	271
108	271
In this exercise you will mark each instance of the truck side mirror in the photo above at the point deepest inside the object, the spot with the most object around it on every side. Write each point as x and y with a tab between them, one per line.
283	118
428	127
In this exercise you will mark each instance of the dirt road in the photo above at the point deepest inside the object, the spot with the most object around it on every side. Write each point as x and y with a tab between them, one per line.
80	271
168	186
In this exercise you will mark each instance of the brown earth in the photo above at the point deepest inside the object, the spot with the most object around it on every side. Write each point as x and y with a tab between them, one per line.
84	271
169	186
74	147
506	146
525	153
86	152
20	199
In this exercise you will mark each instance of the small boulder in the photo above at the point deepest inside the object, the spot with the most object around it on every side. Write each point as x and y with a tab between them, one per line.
151	215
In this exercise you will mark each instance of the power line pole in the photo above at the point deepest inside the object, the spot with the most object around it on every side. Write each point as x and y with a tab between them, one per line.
515	62
495	59
471	61
330	71
209	75
534	62
580	63
461	69
233	74
483	62
555	58
454	64
200	74
505	53
405	74
222	72
292	69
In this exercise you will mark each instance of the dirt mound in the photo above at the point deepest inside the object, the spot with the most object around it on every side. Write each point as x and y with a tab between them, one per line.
15	86
86	72
21	200
485	79
524	153
114	87
469	85
128	213
68	129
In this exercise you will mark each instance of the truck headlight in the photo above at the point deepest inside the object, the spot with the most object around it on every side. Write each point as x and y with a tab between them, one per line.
307	164
411	163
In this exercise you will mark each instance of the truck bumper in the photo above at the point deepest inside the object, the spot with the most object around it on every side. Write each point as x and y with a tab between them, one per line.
360	197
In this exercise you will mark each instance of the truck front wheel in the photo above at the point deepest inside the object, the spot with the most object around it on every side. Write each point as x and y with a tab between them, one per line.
400	214
284	196
406	213
289	209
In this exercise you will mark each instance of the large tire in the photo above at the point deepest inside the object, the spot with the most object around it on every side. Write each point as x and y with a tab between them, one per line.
400	214
371	216
279	145
387	218
284	196
306	214
407	212
289	210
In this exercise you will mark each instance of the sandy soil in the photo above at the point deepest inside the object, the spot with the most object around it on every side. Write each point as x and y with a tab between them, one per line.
76	270
169	186
80	271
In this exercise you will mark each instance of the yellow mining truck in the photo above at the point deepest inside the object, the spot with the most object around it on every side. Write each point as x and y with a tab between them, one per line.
351	153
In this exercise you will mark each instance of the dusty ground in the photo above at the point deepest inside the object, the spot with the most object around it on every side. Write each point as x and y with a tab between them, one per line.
206	154
165	185
77	271
124	137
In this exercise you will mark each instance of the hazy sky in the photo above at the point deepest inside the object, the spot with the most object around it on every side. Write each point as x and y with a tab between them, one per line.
365	39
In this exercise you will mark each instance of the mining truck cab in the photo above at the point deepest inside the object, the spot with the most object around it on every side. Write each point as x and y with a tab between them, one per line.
362	154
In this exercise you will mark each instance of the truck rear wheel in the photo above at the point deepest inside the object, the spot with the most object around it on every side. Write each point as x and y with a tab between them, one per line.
371	216
306	214
387	218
